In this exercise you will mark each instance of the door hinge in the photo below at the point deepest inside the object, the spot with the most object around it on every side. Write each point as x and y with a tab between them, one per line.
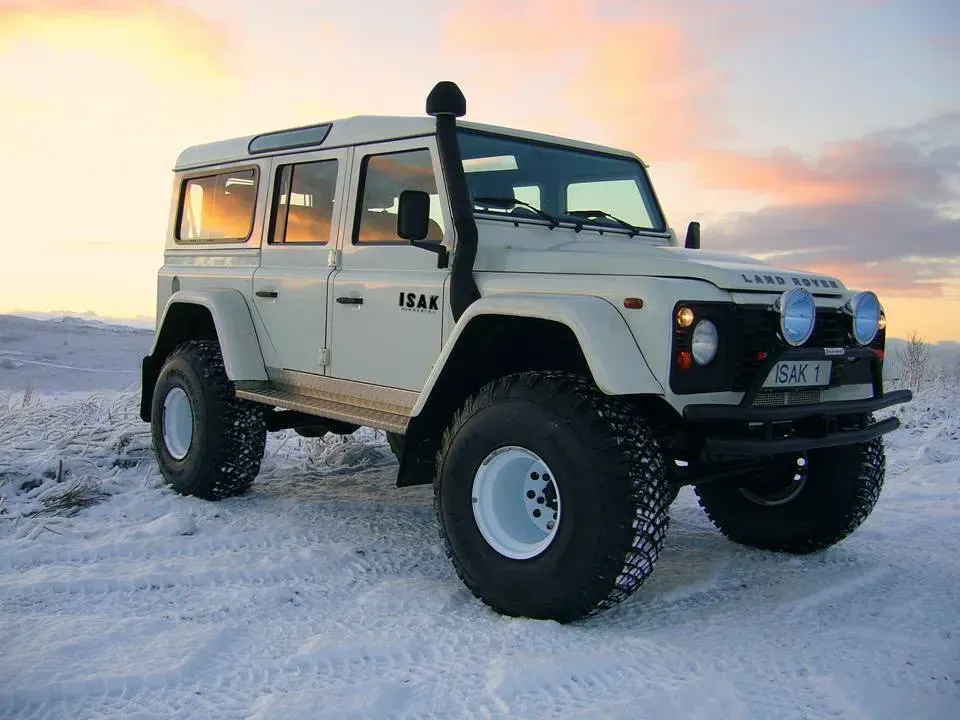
333	258
324	357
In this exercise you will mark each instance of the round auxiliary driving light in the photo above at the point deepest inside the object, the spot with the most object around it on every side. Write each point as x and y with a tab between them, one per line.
864	307
798	315
705	342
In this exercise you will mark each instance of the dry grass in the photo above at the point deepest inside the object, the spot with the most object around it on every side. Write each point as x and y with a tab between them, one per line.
69	499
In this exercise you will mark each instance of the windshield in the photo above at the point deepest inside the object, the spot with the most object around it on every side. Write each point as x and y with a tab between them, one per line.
575	186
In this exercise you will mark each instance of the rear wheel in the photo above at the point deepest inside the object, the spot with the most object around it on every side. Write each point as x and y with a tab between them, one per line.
208	443
805	503
551	497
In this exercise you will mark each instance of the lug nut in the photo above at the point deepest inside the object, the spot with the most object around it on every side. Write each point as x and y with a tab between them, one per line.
550	525
531	494
534	476
536	513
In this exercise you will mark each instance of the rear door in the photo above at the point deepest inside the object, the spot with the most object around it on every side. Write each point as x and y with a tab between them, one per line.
387	298
290	287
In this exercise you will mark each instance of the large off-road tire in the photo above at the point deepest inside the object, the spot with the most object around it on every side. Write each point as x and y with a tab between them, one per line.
550	442
208	443
829	499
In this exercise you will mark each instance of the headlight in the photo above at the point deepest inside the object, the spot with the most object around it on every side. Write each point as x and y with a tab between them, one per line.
864	307
798	314
704	342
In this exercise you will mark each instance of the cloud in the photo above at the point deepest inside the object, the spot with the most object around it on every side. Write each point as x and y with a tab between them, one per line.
882	211
891	166
639	80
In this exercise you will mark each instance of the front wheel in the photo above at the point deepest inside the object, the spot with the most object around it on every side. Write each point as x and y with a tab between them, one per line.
801	506
208	443
551	497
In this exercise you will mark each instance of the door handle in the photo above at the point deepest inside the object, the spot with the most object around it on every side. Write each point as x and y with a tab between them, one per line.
347	300
267	293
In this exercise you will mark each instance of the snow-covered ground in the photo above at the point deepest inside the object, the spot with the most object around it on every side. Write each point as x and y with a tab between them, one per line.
325	593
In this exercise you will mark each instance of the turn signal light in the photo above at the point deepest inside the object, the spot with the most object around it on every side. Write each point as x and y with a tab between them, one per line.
685	317
633	303
880	354
685	360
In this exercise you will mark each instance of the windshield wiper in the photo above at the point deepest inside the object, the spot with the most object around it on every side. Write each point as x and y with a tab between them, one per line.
593	214
506	202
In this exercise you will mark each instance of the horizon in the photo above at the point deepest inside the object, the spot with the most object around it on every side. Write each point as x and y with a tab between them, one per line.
844	160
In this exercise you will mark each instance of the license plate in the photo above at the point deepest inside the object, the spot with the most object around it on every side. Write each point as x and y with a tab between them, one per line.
799	373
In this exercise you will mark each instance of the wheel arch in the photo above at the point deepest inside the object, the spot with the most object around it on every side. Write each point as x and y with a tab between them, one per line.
219	315
505	334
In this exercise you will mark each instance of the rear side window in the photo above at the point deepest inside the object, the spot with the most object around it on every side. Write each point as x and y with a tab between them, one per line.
304	203
218	208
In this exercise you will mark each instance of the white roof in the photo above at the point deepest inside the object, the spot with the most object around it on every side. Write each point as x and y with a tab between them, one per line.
357	130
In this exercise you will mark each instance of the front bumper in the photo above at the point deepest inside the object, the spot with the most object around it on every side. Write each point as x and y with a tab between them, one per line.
750	430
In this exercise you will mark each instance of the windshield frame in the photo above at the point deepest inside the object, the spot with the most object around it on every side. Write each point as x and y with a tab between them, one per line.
661	228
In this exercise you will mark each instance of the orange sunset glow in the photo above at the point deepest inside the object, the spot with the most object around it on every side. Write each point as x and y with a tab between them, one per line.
774	128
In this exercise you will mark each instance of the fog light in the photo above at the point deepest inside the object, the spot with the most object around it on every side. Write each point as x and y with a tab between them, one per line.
864	307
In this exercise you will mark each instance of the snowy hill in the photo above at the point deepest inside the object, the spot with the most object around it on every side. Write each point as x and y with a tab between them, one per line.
69	354
325	592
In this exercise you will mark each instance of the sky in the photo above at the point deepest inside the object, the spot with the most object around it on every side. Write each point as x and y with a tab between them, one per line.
816	134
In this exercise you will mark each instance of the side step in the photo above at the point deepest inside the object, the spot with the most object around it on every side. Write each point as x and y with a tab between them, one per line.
367	417
352	402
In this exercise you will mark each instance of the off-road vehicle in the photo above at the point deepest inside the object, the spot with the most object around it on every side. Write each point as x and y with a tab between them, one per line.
514	311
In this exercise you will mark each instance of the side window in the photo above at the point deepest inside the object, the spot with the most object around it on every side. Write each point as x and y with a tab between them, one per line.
383	177
304	203
218	208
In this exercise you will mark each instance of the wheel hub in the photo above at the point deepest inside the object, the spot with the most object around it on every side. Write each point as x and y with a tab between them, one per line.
177	423
779	492
516	504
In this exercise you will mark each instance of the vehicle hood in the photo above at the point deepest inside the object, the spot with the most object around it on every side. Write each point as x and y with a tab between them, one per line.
633	256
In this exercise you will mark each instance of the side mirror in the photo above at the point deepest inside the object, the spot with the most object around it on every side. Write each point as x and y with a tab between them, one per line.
413	223
693	236
413	215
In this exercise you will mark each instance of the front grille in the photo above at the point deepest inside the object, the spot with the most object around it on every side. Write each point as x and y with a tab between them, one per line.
780	398
759	333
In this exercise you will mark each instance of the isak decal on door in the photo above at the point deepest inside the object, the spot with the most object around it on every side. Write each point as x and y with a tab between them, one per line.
419	302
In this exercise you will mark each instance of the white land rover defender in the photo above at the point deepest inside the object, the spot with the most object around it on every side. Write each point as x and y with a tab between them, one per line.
514	311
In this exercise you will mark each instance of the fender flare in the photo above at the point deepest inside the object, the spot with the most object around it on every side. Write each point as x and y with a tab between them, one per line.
613	356
233	324
239	345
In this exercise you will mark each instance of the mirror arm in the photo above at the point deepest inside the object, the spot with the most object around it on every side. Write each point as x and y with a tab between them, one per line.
443	256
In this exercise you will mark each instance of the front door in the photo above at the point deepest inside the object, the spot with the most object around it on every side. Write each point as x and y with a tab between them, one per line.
387	298
290	287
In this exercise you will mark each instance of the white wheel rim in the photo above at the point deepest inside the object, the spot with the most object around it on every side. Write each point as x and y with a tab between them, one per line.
177	423
516	503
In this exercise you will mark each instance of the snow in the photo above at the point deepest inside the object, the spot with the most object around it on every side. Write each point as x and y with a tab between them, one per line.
325	593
